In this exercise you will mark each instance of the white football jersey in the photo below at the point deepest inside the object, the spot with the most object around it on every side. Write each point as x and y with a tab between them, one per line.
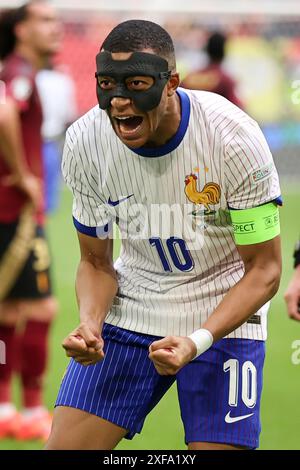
178	256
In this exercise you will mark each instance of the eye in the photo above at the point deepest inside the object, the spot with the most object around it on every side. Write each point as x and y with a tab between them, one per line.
139	83
106	83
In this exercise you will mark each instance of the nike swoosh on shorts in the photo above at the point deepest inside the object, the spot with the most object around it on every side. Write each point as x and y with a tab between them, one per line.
233	419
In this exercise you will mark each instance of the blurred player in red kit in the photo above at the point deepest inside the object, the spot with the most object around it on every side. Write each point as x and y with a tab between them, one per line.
292	294
213	77
29	36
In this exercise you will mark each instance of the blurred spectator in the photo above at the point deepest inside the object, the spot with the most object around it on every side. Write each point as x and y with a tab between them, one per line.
292	294
29	36
57	94
213	77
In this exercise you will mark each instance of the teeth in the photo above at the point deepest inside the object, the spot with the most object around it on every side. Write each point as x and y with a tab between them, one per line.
122	118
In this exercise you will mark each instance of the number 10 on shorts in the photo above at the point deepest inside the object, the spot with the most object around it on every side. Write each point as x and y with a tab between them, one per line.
249	382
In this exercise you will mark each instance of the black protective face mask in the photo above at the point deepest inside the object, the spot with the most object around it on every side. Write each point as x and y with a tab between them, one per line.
139	64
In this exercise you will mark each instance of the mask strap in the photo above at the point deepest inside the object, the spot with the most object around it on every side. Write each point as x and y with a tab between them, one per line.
166	75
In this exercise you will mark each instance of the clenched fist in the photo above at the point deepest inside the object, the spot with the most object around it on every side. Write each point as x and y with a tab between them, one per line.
170	354
84	345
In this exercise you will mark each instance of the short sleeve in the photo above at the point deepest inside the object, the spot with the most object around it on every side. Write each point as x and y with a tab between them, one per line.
90	213
251	177
20	88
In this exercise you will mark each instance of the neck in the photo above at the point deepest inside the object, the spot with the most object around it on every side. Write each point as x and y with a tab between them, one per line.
36	60
170	124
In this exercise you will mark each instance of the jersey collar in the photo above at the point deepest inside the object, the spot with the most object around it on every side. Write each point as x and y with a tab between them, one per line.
175	141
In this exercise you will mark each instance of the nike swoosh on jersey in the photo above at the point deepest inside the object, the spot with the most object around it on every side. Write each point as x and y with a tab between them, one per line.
233	419
116	203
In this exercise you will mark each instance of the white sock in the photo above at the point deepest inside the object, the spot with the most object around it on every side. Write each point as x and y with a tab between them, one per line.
6	410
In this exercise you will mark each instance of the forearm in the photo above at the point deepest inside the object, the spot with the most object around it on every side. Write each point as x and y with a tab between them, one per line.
11	145
96	288
242	301
292	295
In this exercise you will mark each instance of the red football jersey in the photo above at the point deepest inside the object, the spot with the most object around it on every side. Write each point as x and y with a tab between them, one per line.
19	78
213	78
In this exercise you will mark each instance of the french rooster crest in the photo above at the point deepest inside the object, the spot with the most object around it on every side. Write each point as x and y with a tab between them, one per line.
210	194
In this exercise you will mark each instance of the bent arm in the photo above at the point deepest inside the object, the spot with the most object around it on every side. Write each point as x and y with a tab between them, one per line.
12	151
96	281
259	284
292	295
11	145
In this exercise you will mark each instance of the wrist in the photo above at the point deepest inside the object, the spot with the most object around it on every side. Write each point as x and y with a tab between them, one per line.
94	323
21	178
203	339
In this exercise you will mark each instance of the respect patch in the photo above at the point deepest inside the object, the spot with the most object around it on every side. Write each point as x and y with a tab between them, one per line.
255	225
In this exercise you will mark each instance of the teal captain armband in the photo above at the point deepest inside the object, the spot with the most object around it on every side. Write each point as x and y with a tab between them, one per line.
255	225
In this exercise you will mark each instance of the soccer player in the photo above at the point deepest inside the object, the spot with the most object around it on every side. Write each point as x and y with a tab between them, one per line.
213	77
29	35
292	294
191	183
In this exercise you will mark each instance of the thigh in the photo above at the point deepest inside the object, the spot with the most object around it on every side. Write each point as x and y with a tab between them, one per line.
40	309
123	388
10	312
73	429
220	393
18	312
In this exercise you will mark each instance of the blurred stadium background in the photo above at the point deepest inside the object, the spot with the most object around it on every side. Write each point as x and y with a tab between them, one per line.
264	58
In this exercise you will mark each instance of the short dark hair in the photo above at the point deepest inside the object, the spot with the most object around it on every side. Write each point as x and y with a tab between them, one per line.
8	21
215	47
135	35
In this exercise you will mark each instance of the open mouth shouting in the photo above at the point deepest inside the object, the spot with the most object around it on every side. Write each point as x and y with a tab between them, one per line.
128	126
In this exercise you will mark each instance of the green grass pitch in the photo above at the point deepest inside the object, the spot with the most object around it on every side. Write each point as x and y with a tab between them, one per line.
163	428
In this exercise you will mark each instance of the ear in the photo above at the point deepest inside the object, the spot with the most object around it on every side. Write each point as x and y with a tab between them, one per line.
21	31
173	83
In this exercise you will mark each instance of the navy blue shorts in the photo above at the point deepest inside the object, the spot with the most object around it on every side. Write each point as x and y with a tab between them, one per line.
219	392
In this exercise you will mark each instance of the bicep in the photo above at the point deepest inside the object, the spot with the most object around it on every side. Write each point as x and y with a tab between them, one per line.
265	255
8	114
11	143
96	251
20	89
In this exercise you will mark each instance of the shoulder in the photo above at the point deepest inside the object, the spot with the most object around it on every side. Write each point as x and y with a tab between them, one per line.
19	77
207	79
218	114
15	66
